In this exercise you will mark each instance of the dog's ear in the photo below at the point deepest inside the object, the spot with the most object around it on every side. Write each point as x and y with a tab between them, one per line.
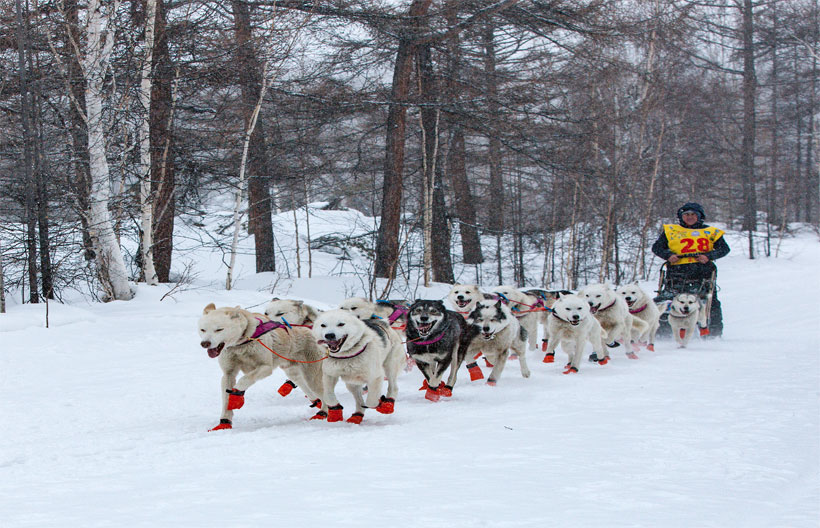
275	299
498	304
210	308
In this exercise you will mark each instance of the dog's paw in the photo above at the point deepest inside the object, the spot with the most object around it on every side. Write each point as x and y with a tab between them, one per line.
491	382
286	388
651	347
321	415
432	394
549	358
571	370
446	390
386	405
224	423
424	386
603	361
236	399
632	355
356	418
334	414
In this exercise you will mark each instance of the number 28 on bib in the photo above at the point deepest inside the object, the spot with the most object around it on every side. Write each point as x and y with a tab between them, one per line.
684	241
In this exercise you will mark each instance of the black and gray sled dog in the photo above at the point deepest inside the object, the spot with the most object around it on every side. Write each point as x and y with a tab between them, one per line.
433	334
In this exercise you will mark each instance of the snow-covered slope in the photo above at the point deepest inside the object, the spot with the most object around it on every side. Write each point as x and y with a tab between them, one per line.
106	412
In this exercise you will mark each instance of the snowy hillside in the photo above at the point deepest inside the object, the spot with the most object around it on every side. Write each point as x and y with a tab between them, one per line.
106	414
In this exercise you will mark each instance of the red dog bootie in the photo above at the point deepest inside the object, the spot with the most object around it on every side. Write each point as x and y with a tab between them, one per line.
386	405
236	399
424	385
651	347
334	414
475	371
356	418
445	390
487	363
544	343
603	361
704	331
321	415
549	358
432	394
286	387
224	423
571	370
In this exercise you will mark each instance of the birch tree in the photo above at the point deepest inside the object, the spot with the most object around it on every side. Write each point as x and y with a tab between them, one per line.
95	61
146	203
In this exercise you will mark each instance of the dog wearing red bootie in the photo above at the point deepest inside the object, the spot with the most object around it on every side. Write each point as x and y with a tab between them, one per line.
571	325
494	331
360	352
433	334
251	344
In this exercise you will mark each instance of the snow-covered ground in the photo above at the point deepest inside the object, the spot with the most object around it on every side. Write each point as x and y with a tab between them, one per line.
106	412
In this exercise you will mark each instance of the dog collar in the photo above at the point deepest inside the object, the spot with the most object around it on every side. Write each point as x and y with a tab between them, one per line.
639	310
432	341
347	357
607	308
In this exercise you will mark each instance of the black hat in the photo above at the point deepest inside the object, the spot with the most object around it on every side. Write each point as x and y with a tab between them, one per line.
695	208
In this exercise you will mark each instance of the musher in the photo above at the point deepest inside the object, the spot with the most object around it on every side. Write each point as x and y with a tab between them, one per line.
690	249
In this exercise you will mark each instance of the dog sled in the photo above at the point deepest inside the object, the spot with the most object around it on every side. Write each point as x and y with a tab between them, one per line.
706	290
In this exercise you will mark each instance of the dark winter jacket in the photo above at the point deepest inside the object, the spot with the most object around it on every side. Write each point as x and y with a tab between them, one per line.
696	269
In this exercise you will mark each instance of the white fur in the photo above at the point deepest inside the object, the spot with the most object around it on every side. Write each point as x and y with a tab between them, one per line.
571	325
612	312
463	298
225	333
383	356
684	314
640	302
293	311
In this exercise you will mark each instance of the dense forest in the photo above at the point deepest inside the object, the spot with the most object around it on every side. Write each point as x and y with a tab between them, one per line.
569	128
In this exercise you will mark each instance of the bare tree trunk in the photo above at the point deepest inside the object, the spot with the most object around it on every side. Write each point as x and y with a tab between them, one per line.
749	124
387	243
163	181
28	152
252	84
111	266
456	166
42	201
146	202
80	184
496	188
2	282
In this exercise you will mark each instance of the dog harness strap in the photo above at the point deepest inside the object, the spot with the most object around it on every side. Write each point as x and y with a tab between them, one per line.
267	326
398	311
557	317
639	310
350	356
430	342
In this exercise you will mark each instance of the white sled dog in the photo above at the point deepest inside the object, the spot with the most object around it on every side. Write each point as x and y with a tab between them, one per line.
684	315
293	313
394	313
571	325
243	342
642	307
361	352
463	298
524	307
612	313
494	331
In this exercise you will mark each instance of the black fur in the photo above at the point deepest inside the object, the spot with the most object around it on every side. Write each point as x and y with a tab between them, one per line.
433	359
376	324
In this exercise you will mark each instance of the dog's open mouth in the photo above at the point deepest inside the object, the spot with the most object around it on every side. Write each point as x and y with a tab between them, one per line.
462	302
630	303
594	309
487	335
575	322
213	352
333	345
424	328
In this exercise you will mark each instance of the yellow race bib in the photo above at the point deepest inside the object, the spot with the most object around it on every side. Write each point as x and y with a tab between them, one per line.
685	241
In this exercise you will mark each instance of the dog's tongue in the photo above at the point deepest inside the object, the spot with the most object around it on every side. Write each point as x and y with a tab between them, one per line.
462	304
425	328
213	352
593	309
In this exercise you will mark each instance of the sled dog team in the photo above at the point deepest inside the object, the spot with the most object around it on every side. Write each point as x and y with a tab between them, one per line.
365	344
